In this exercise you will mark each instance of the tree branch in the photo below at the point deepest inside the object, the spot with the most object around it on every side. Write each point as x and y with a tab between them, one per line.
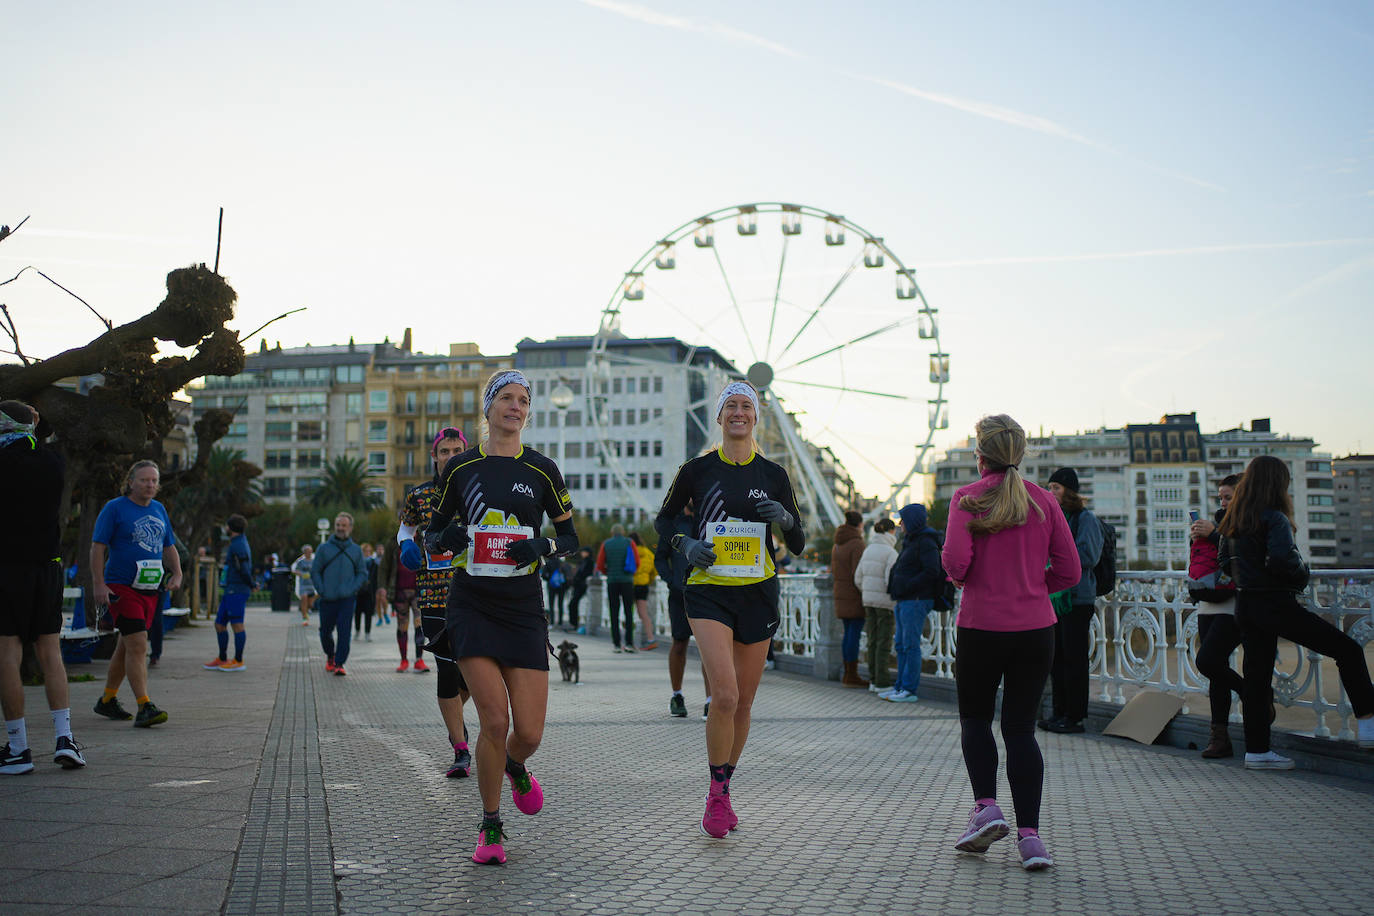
6	231
243	337
103	320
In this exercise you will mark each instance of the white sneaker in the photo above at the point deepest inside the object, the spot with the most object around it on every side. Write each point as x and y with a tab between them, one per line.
896	696
1267	761
1364	732
873	688
886	692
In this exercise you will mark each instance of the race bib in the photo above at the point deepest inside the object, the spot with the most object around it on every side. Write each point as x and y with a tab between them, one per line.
487	555
149	575
440	561
739	549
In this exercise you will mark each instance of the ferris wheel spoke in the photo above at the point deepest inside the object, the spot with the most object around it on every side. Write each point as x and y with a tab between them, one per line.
848	272
777	294
859	453
735	302
721	346
846	388
848	343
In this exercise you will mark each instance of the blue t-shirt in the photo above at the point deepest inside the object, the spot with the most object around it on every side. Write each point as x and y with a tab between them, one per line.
132	533
237	559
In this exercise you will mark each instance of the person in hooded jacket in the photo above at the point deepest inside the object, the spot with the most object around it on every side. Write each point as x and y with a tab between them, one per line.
849	604
1069	673
915	579
871	576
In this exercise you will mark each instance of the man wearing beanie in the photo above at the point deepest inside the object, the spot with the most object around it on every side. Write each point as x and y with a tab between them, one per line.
1069	674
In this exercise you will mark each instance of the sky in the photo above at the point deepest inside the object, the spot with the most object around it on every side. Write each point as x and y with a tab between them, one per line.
1118	210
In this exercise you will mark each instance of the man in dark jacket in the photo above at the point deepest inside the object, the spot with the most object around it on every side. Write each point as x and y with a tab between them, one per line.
338	573
616	561
915	579
585	567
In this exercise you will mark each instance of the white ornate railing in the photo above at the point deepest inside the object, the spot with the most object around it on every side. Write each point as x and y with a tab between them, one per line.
1144	635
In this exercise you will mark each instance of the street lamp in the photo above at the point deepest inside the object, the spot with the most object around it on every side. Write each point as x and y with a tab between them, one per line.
561	398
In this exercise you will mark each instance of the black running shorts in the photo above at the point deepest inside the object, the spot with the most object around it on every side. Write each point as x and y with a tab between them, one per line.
750	610
30	599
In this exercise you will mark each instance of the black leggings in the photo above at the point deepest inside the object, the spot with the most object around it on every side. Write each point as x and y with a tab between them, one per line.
622	593
363	610
1217	638
577	592
1069	673
1264	617
1020	661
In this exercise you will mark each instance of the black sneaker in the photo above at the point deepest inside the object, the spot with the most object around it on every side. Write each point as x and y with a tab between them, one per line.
111	709
677	706
462	763
706	711
68	754
1065	726
16	764
149	715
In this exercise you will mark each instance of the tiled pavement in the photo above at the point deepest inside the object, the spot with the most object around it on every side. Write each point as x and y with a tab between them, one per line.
262	779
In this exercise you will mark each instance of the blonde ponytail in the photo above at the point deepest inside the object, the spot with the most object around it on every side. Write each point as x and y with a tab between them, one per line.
1002	445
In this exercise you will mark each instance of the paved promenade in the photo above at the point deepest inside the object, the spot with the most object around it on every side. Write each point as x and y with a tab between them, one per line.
285	790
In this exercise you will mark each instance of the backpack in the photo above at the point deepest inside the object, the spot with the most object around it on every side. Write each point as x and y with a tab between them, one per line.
557	579
1207	581
1104	573
945	593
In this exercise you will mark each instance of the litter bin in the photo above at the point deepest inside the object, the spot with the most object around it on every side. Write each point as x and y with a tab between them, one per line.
281	588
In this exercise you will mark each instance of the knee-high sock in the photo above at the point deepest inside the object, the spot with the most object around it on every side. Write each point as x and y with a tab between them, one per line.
240	638
223	637
402	641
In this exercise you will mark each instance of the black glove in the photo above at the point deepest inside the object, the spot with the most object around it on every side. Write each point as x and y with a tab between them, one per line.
527	551
770	510
698	553
454	538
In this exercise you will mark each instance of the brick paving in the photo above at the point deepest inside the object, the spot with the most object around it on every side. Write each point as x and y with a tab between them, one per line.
263	780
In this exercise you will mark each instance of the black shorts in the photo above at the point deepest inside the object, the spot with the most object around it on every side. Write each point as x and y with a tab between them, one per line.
30	599
511	638
435	628
641	592
677	615
750	610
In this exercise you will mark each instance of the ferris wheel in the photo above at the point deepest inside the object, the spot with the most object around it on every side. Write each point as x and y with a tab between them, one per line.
819	314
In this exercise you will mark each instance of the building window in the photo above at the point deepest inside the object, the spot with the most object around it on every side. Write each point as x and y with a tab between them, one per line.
353	403
438	402
410	401
311	458
658	384
658	480
644	385
1318	500
376	462
574	450
590	482
309	430
572	418
629	449
284	375
630	417
601	482
469	400
276	461
237	431
376	430
615	415
643	415
279	431
377	401
574	482
658	412
348	373
276	487
644	481
658	448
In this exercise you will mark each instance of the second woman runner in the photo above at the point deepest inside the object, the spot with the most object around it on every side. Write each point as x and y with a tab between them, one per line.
498	493
731	595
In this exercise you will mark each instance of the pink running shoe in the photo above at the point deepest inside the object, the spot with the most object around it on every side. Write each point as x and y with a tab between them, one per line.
525	792
1034	855
985	826
732	821
716	821
489	850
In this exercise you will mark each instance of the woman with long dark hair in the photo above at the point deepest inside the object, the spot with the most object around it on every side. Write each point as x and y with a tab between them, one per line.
1008	546
1269	572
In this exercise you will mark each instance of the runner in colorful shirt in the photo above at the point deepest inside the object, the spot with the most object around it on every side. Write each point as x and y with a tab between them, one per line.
432	576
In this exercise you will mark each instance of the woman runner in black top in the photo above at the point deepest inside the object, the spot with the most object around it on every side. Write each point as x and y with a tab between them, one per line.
493	499
731	595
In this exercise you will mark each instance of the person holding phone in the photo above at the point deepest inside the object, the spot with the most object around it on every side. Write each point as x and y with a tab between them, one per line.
492	502
1217	632
133	557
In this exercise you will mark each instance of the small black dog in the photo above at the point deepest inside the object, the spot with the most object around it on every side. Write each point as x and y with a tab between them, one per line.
568	663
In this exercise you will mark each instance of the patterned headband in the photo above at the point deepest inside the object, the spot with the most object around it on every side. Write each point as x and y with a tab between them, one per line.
743	388
512	377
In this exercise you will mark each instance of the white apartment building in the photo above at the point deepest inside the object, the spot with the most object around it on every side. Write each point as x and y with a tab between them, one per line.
644	404
1145	483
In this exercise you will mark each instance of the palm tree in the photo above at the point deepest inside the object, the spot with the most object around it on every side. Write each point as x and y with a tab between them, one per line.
346	482
229	486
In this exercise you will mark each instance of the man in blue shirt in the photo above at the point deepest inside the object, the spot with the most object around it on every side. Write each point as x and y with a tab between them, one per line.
237	581
133	558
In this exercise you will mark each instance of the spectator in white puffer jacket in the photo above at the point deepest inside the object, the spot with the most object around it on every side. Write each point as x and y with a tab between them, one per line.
871	578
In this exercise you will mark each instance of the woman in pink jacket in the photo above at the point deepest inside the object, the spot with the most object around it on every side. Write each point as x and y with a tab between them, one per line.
1008	547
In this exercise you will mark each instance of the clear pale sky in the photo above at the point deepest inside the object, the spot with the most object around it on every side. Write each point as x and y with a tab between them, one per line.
1119	210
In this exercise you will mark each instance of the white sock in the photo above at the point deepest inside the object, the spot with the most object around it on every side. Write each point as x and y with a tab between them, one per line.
708	699
677	693
62	722
17	733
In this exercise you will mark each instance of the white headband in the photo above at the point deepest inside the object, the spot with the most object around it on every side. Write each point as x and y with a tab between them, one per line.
743	388
513	377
